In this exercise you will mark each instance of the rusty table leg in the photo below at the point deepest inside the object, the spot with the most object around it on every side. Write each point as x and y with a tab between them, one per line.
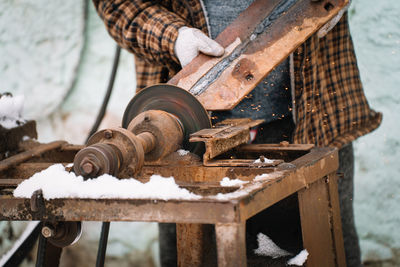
195	245
231	244
320	223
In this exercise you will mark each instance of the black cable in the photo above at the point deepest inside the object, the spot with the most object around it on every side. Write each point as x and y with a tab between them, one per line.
105	227
103	108
101	252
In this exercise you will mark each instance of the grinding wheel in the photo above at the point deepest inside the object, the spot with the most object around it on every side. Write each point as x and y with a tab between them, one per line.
176	101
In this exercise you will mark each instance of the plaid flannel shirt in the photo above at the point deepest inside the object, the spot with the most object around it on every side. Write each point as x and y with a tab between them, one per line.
330	106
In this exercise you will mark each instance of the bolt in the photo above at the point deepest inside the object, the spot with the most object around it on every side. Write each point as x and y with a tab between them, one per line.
87	168
108	134
48	231
37	201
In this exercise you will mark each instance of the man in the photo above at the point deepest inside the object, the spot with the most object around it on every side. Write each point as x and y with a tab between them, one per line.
325	104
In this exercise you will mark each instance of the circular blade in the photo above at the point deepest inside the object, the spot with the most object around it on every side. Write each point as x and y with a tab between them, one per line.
176	101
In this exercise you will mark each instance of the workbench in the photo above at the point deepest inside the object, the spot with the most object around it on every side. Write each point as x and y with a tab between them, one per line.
302	170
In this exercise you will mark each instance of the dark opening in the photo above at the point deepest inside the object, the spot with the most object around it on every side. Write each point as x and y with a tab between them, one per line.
328	6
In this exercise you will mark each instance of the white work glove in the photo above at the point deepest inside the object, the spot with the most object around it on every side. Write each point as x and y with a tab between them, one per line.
191	41
332	23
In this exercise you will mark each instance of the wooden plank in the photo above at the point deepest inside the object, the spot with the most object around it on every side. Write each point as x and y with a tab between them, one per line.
336	220
231	244
256	42
316	224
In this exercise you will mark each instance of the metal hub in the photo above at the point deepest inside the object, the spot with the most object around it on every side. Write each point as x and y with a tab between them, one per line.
62	234
176	101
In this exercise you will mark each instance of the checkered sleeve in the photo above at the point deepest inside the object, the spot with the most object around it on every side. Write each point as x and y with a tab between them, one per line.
145	28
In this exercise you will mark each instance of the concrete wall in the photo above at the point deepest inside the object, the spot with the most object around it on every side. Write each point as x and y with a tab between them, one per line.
40	56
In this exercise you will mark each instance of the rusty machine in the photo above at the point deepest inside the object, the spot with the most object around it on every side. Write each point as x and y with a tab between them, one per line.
164	118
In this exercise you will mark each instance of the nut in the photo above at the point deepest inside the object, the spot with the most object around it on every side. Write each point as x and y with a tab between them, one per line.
48	231
88	167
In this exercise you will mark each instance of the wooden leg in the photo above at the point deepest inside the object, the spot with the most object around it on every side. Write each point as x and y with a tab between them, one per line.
315	215
231	244
336	220
195	244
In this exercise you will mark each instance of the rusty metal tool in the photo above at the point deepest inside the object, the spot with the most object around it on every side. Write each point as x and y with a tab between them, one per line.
158	121
255	43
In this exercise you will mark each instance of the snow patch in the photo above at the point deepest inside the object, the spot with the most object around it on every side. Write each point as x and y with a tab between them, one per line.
266	176
299	259
265	160
55	182
234	182
267	247
182	152
11	111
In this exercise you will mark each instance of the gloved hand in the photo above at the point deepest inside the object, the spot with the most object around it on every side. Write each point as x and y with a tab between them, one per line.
191	41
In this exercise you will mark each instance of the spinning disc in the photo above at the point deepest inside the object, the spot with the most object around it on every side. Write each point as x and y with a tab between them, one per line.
176	101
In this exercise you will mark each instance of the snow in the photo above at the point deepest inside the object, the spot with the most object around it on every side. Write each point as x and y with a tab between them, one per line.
231	182
267	176
265	160
26	138
55	182
11	111
243	191
267	247
28	230
182	152
299	259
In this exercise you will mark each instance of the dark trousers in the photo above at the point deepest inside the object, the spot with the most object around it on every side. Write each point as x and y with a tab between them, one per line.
275	132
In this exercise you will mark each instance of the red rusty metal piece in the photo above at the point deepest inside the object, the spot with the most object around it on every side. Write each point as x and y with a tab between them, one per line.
255	43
